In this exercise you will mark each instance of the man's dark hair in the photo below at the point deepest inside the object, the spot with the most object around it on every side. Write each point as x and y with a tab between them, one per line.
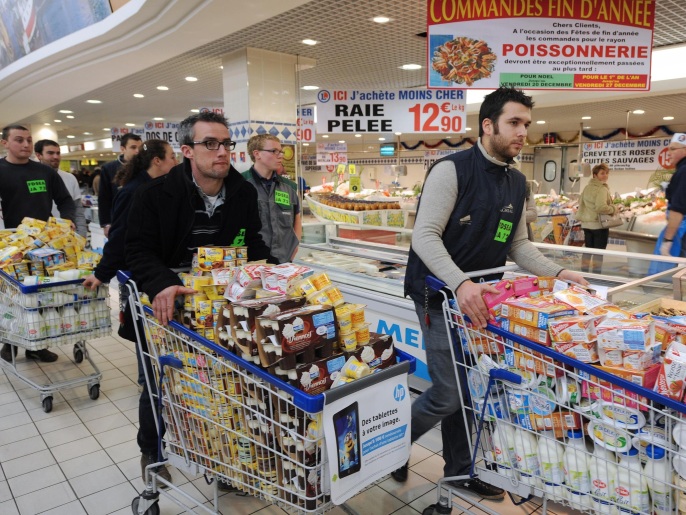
129	136
6	130
186	131
493	104
39	145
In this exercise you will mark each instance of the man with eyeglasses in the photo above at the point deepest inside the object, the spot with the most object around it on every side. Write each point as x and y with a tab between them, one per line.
674	236
201	202
278	198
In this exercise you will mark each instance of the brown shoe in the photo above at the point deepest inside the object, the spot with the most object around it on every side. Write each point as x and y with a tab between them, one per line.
161	470
43	355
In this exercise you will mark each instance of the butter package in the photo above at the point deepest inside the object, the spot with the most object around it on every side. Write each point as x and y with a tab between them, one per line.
579	299
534	311
281	278
626	334
584	352
573	329
526	331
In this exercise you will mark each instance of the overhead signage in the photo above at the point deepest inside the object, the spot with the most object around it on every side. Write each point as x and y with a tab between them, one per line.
540	44
431	156
308	163
640	154
305	125
218	110
166	131
117	132
332	153
386	111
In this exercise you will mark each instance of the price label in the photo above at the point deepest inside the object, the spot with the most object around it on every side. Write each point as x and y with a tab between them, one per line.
340	169
352	169
355	186
432	117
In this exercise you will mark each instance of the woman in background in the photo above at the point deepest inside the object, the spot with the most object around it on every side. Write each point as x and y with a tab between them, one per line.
595	200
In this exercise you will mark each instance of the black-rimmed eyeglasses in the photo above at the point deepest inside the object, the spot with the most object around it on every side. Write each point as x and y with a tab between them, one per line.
213	144
274	151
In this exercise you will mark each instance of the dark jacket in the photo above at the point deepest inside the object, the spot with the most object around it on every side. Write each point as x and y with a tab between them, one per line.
676	190
107	190
114	253
161	219
482	225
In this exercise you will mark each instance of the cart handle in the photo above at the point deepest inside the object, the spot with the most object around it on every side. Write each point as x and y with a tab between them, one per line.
504	375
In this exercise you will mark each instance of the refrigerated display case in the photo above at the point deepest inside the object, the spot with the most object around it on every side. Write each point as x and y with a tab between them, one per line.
373	273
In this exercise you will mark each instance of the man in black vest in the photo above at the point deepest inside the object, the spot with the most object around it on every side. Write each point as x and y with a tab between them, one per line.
470	217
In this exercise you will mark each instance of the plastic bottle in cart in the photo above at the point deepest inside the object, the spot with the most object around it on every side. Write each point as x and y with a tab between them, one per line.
35	325
551	456
526	456
503	447
69	319
603	469
85	318
632	487
659	476
52	321
101	313
577	475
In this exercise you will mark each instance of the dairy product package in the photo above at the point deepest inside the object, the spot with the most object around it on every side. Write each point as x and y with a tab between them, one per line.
581	351
378	353
671	381
319	376
534	311
573	329
281	278
626	334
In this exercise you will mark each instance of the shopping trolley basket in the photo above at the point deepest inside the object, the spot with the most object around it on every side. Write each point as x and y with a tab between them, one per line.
231	421
40	316
564	430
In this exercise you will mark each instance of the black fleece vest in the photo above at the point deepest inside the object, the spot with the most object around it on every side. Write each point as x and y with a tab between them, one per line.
483	222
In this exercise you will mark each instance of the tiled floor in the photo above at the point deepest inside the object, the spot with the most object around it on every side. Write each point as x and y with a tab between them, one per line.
82	458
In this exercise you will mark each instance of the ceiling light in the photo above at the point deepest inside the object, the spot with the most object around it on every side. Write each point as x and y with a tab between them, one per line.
468	128
158	118
58	121
102	155
70	136
195	110
341	141
310	88
106	128
381	19
325	135
130	124
309	42
668	118
638	111
411	67
382	139
46	123
163	88
94	101
587	127
87	133
192	79
398	133
541	122
358	135
139	95
66	111
585	117
306	144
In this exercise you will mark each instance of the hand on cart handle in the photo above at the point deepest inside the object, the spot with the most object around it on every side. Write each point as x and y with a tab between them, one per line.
163	303
471	302
569	275
91	282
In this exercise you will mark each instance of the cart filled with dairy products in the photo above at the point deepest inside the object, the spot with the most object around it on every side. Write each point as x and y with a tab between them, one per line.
572	399
235	416
39	313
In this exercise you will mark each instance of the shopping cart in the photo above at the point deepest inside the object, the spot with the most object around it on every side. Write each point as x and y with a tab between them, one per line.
46	315
228	420
551	427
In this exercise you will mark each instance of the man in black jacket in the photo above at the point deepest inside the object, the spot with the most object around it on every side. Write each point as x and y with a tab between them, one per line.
202	202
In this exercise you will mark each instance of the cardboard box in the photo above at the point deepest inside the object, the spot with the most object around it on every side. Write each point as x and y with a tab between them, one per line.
581	351
534	311
573	329
534	334
596	389
626	334
378	353
671	381
558	421
655	306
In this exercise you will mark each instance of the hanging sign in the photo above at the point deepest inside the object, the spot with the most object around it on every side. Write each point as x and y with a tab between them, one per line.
640	154
305	125
332	153
117	132
166	131
384	111
540	44
431	156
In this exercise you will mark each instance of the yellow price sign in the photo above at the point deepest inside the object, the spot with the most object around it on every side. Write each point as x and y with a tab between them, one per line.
340	169
355	186
352	169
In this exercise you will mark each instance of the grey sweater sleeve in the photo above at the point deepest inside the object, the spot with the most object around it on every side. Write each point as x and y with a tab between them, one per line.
439	196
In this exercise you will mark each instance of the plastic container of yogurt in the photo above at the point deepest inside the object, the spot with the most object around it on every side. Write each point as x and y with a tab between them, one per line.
613	439
621	416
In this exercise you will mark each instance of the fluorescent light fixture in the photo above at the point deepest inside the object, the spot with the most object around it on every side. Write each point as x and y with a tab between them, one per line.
46	123
411	67
58	121
310	42
358	135
638	111
89	145
195	110
87	133
310	88
540	122
192	79
70	136
468	128
163	88
71	117
158	118
381	19
139	95
325	135
106	128
341	141
93	101
668	118
130	124
587	127
585	117
66	111
306	144
382	139
398	133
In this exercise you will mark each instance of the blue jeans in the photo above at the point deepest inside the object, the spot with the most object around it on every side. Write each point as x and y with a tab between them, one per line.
442	402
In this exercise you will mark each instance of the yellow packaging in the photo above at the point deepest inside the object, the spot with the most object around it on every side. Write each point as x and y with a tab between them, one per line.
357	314
34	222
344	319
321	280
210	257
335	295
212	292
241	253
319	297
197	282
348	341
203	313
573	329
189	300
534	311
56	222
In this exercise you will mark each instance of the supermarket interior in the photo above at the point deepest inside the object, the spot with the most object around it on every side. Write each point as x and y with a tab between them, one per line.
586	413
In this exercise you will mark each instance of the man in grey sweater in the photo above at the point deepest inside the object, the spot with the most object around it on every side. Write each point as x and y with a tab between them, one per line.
471	216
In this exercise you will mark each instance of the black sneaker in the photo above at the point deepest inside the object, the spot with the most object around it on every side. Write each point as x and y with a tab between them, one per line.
478	487
400	475
43	355
6	352
226	487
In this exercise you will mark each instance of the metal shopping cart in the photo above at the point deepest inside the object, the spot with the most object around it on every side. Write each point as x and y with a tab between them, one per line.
228	420
46	315
551	427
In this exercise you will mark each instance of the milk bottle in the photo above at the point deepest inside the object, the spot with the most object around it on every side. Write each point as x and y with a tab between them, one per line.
85	318
551	457
632	487
603	470
526	456
69	318
52	322
577	476
659	476
101	313
34	329
503	448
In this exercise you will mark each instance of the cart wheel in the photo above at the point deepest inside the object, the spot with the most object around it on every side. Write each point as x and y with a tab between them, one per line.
47	404
78	354
94	391
153	510
437	509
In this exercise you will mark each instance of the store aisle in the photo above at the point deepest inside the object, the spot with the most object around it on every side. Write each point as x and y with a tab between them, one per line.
82	458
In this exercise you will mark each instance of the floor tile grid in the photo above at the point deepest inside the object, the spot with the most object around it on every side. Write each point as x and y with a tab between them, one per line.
84	459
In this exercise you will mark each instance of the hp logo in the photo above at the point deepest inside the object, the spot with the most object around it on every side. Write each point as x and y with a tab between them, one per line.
399	393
